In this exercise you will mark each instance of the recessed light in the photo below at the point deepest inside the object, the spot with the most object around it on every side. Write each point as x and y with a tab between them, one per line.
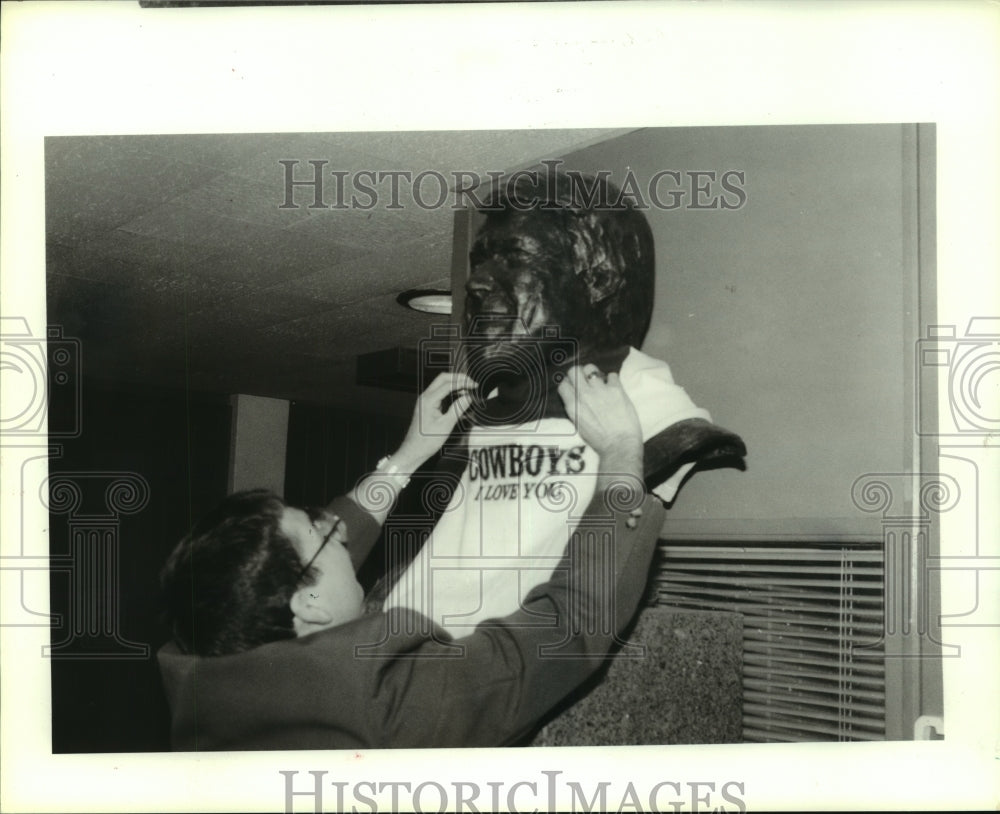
428	300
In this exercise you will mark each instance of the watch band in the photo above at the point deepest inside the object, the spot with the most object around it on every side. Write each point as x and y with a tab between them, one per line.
385	466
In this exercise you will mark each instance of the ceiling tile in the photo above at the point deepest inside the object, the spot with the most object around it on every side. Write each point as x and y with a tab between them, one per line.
116	163
334	150
170	258
221	151
145	251
377	228
252	200
135	280
283	257
182	224
395	269
71	261
452	151
266	306
75	212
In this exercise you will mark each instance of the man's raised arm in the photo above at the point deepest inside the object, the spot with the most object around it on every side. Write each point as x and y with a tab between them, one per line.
494	686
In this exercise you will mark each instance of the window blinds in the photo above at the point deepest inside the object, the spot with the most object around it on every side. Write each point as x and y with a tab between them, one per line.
813	663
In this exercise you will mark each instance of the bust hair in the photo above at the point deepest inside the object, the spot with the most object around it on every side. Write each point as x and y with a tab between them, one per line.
598	234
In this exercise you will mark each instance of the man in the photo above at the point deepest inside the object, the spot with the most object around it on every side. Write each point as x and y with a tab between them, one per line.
271	650
562	273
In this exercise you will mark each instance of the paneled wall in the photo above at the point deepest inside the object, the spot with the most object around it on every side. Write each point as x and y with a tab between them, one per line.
329	449
177	443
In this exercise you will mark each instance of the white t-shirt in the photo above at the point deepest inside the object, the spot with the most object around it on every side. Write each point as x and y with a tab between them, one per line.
517	503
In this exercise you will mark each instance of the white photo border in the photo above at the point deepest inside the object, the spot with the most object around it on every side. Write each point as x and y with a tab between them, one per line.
102	68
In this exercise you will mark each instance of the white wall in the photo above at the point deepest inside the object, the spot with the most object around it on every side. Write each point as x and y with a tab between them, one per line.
786	317
259	440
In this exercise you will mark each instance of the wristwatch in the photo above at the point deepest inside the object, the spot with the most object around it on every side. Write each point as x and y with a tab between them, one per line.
386	467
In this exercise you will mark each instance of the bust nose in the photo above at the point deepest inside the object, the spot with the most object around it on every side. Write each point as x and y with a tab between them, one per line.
480	284
486	295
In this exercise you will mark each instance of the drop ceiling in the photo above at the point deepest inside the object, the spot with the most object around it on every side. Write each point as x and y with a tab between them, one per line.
171	258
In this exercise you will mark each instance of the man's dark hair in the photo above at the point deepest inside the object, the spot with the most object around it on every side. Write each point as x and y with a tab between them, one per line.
601	236
228	583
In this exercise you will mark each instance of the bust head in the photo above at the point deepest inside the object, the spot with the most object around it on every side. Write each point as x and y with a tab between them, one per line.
560	250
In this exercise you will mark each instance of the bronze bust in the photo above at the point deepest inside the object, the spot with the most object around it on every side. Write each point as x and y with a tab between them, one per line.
564	280
562	272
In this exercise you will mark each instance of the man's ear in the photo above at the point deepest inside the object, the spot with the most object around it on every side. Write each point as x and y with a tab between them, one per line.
307	608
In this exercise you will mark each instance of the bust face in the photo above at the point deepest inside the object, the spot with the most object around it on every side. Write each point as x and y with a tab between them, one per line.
522	281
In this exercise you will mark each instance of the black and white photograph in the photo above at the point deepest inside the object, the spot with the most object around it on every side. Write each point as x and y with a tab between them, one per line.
378	465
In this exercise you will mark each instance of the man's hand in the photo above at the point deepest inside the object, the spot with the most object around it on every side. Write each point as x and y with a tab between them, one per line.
605	418
432	422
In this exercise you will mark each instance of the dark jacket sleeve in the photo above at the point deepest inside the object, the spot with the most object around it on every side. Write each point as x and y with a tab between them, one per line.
492	687
693	440
395	680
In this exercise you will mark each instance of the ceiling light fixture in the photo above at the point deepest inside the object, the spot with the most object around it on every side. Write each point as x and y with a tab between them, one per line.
428	300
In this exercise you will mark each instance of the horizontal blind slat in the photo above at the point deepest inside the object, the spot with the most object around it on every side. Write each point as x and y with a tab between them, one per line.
757	658
808	713
801	653
831	705
768	731
812	627
751	684
772	568
674	551
745	579
869	599
768	666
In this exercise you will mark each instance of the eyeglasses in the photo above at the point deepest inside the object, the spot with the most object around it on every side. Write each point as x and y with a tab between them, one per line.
322	545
